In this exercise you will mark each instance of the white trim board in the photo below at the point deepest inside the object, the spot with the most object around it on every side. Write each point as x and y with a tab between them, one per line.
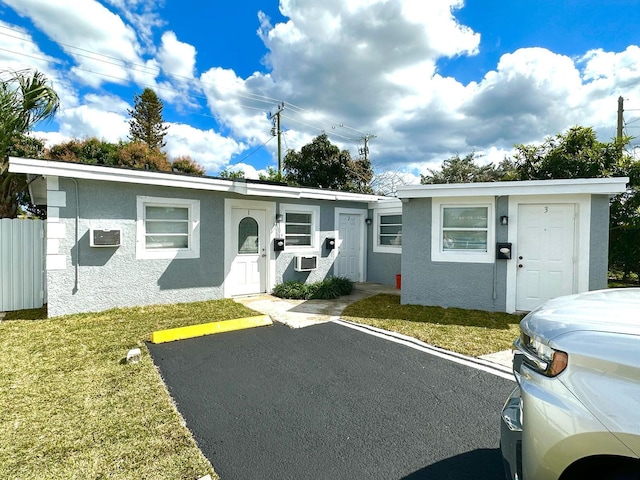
607	186
124	175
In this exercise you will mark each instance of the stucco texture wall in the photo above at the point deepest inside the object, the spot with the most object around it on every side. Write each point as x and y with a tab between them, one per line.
447	284
599	242
113	277
285	261
381	267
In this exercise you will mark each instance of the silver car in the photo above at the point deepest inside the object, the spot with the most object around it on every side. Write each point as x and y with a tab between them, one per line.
575	413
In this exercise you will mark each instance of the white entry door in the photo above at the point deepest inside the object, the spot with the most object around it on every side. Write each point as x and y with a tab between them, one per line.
545	253
248	241
349	252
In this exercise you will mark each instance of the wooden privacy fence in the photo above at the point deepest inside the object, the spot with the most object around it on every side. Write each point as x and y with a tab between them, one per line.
21	264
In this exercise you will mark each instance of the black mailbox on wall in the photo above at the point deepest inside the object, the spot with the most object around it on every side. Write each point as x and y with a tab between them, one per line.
278	244
329	243
503	251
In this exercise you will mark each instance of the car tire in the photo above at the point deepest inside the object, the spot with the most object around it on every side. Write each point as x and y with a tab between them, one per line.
624	473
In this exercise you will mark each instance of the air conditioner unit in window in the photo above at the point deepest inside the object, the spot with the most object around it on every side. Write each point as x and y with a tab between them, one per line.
306	263
104	238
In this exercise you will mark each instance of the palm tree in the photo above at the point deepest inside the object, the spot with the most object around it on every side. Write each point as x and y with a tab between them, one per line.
26	98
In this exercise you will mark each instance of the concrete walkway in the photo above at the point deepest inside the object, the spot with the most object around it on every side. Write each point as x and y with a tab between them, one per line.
304	313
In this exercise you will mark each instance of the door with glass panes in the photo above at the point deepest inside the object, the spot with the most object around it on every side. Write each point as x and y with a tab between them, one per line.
248	268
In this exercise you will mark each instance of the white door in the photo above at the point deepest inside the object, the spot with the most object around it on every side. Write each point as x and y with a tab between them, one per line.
349	252
248	242
545	253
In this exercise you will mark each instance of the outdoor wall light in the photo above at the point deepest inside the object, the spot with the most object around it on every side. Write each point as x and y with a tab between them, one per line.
504	220
278	217
367	221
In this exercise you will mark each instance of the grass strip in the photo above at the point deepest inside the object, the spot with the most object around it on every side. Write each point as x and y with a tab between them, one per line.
70	407
470	332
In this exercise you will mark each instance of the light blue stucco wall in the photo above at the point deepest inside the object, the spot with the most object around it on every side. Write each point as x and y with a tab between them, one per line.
448	284
113	277
599	242
109	277
285	261
381	267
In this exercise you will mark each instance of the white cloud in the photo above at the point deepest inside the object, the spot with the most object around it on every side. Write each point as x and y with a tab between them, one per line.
249	170
142	15
176	58
369	64
88	121
20	52
208	148
90	33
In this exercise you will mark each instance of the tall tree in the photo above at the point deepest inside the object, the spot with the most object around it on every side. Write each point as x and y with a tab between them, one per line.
230	174
26	98
466	170
321	164
140	155
185	164
146	123
578	153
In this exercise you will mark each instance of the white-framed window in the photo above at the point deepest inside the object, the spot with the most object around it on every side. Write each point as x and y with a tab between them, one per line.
387	225
463	232
301	227
167	228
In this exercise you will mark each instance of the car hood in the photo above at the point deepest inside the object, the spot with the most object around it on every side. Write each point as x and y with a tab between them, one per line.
612	310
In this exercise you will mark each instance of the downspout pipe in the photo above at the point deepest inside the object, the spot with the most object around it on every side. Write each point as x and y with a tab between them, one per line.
76	242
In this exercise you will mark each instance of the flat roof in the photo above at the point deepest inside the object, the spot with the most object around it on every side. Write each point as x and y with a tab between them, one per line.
126	175
609	186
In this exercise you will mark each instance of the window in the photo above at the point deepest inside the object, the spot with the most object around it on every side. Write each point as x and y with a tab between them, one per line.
248	236
462	232
167	228
464	228
388	228
300	226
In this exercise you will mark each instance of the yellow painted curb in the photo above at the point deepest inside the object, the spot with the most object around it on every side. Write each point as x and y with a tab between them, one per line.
162	336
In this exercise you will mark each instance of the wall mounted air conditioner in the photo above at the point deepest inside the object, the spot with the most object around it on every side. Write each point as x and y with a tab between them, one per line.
104	238
306	263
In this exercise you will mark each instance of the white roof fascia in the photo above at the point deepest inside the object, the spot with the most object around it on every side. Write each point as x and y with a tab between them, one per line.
609	186
110	174
386	202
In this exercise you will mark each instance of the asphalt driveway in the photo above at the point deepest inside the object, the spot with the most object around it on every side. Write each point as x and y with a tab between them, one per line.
330	402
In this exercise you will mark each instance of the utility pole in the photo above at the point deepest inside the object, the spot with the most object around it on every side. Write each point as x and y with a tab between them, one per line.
277	131
620	117
365	151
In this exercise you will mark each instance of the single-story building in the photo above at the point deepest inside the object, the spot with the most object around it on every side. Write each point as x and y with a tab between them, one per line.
121	237
505	246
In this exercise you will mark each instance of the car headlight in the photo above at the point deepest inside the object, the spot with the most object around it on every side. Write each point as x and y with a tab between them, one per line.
540	356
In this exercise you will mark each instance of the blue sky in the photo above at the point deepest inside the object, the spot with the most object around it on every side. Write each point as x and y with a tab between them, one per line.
428	79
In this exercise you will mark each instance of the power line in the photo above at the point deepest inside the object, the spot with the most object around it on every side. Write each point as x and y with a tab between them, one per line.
255	150
136	67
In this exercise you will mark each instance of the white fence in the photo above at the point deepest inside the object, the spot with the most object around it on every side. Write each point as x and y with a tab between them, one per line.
21	264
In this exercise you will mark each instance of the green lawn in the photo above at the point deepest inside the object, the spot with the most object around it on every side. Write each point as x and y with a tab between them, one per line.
70	407
470	332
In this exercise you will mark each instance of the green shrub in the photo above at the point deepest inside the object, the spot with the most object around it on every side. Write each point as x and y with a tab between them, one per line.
291	289
343	285
327	289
